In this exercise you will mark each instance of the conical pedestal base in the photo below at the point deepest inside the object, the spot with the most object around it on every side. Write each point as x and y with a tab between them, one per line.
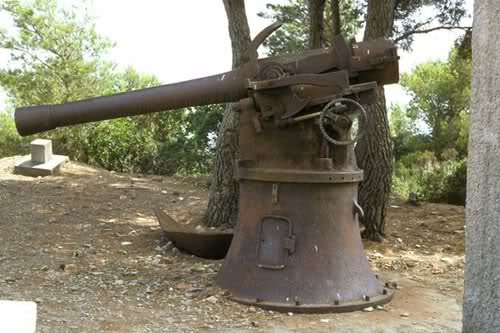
298	248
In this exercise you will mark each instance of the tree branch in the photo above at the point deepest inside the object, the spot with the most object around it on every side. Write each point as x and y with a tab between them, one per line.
424	31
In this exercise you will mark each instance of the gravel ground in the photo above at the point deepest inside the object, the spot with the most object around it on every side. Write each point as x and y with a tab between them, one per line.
85	246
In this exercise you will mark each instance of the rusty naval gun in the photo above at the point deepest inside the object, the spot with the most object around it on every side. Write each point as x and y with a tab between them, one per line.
297	245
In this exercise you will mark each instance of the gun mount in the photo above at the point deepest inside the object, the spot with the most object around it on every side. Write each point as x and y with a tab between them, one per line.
297	246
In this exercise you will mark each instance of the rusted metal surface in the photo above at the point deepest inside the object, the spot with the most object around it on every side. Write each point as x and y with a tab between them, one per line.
298	176
206	243
327	271
297	246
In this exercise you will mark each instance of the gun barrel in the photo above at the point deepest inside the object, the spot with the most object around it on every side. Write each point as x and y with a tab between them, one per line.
367	61
220	88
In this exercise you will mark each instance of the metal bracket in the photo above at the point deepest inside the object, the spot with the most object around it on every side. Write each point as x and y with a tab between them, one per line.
290	244
276	188
356	209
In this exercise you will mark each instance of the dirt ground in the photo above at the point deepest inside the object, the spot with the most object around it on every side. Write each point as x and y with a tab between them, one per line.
85	246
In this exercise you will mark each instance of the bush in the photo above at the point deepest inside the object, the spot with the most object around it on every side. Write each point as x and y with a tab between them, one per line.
120	145
180	142
456	185
433	180
10	142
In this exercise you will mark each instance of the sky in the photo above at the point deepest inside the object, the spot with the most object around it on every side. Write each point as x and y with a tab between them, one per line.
182	40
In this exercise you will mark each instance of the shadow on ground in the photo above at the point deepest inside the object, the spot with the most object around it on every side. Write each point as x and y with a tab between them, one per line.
86	247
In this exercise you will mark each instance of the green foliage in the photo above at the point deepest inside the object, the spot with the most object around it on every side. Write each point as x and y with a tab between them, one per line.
411	17
10	141
440	94
56	56
191	147
431	134
123	145
180	142
456	185
417	16
293	36
431	179
405	134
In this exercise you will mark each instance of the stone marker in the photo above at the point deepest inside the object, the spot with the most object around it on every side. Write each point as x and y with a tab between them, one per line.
413	199
41	162
41	150
17	317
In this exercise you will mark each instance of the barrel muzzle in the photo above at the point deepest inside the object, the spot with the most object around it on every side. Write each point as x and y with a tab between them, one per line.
33	119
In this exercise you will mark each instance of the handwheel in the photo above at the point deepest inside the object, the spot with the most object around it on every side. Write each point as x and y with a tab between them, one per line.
343	114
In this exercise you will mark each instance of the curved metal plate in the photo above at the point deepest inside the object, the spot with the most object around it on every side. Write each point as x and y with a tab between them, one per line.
209	244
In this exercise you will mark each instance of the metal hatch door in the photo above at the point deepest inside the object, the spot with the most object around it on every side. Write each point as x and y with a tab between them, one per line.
276	242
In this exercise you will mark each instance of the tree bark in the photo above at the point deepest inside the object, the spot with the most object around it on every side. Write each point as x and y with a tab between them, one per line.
336	23
374	152
481	310
223	197
316	23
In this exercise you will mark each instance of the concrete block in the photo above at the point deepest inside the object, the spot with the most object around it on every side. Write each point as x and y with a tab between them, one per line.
26	167
41	150
17	317
41	162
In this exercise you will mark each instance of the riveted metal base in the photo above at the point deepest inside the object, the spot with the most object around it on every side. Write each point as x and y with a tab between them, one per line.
297	248
319	308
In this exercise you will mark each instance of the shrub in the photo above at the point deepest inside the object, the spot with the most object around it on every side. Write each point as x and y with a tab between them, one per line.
456	185
179	142
10	142
433	180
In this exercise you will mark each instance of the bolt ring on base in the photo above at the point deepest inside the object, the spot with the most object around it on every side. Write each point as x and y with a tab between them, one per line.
319	308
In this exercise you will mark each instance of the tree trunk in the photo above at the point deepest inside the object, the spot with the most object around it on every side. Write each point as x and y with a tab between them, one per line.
316	23
374	156
374	151
482	238
336	23
222	207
